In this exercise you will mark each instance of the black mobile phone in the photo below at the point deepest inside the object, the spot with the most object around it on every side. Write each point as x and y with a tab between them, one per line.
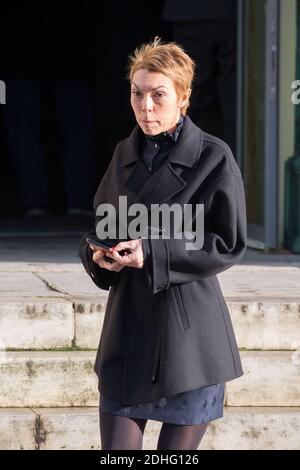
109	243
106	244
102	244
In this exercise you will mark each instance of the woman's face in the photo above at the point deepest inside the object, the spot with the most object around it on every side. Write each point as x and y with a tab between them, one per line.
155	102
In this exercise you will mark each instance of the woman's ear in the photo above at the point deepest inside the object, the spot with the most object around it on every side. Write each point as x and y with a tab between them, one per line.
185	98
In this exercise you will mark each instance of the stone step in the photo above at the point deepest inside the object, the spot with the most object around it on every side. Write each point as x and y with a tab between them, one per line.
248	282
261	282
258	282
36	323
270	379
242	428
266	325
48	378
51	378
62	322
51	323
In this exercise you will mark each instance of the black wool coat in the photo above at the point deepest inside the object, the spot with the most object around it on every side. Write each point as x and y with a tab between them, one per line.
167	328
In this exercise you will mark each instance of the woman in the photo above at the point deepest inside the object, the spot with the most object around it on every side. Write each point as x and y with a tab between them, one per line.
167	345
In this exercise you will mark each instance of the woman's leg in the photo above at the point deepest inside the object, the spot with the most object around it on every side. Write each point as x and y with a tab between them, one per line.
120	432
180	437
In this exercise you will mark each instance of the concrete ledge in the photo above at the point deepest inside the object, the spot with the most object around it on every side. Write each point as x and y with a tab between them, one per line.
24	285
68	429
254	429
259	283
48	379
60	322
72	284
270	379
241	428
89	316
17	429
258	325
36	324
266	325
78	428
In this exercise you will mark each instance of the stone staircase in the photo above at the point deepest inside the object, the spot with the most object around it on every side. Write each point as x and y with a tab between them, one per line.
51	316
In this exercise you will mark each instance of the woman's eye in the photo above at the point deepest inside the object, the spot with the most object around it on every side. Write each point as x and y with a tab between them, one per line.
159	95
136	93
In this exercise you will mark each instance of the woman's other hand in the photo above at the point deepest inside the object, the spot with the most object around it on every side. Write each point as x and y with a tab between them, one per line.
133	256
98	258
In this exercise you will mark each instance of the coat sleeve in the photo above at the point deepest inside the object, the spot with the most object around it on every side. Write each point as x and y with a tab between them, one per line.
168	262
103	278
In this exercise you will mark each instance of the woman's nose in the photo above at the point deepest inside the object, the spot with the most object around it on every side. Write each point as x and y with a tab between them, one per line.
147	104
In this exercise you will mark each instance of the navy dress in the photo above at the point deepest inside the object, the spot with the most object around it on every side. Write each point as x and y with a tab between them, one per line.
196	406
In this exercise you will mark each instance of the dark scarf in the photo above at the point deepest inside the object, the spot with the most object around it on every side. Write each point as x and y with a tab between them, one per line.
156	148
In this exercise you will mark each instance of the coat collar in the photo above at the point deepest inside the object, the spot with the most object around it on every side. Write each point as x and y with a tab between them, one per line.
186	152
167	180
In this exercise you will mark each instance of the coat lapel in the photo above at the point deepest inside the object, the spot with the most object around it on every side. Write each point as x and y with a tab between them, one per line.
167	181
154	188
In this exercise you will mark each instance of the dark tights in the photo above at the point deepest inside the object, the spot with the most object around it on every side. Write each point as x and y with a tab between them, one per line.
122	433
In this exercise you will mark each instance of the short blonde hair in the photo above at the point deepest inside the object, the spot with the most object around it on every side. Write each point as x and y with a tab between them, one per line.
167	58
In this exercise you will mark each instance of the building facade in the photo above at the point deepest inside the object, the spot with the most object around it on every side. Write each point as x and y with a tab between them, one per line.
268	128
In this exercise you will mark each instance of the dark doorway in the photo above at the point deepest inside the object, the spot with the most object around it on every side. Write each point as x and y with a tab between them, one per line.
66	59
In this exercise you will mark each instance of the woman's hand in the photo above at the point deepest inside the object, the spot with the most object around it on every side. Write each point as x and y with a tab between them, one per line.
98	258
135	256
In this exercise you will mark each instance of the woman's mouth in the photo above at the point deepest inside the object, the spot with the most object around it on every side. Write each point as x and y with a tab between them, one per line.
145	121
